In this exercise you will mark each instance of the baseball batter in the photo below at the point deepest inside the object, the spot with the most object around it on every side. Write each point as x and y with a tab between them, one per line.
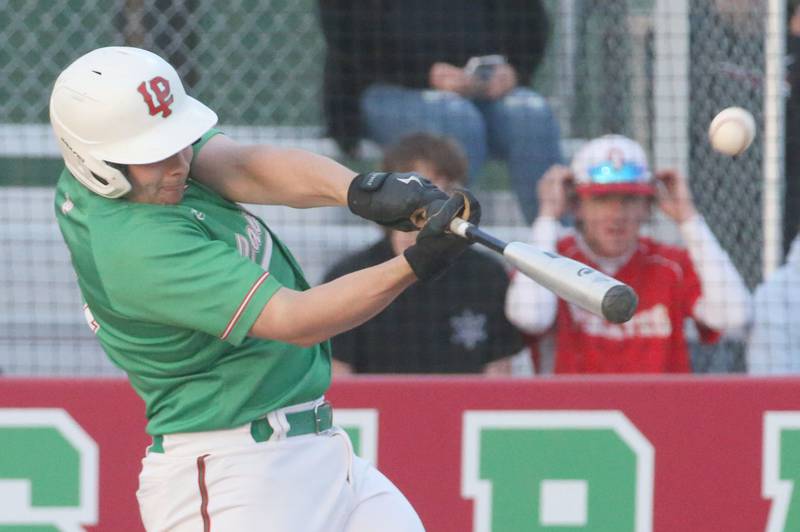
208	313
615	191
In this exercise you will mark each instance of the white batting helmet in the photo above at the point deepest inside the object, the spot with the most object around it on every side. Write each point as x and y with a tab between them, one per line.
126	106
612	164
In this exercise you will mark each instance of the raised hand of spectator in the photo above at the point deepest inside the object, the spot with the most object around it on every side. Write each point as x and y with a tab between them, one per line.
554	191
503	81
794	22
447	77
673	195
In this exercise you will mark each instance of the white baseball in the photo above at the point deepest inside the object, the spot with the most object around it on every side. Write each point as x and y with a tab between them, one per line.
732	131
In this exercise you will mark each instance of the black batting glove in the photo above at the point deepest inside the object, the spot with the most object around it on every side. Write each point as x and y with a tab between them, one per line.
436	247
392	199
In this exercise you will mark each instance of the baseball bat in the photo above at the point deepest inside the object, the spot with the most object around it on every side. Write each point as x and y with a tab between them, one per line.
569	279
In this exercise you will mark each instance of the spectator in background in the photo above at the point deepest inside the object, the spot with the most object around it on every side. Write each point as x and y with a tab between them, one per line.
453	324
614	193
774	343
394	68
791	205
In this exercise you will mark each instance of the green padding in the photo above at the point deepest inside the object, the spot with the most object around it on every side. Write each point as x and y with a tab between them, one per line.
22	171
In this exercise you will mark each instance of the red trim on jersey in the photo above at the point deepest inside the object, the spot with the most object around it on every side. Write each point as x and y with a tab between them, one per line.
240	310
201	481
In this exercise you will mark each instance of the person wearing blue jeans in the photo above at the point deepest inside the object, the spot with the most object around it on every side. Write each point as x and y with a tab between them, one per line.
446	67
519	128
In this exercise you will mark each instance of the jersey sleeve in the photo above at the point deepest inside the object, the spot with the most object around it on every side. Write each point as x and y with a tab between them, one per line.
505	339
177	276
528	305
769	346
199	143
691	284
691	292
725	302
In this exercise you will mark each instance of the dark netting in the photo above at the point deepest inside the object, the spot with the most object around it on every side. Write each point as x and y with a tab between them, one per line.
599	65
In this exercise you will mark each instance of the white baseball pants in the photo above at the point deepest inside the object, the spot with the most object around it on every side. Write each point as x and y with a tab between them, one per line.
224	481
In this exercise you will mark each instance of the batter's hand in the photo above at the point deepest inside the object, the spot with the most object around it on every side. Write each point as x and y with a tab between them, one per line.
555	190
436	247
673	195
391	199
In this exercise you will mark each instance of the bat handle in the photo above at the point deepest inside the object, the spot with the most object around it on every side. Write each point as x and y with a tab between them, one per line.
460	227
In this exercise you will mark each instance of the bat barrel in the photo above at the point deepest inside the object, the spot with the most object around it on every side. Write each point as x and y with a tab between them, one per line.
575	282
619	303
569	279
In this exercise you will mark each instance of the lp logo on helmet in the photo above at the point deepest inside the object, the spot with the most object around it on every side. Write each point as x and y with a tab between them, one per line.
160	89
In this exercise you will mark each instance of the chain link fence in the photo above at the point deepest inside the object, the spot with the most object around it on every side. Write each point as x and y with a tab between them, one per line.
655	70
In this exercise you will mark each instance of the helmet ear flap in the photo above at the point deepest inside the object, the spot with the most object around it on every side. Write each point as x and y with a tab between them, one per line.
122	168
98	176
110	184
107	180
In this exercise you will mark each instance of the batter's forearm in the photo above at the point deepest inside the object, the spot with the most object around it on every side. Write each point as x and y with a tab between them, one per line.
297	178
309	317
271	175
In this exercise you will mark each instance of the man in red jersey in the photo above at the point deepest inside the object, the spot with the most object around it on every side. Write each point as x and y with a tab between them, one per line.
614	194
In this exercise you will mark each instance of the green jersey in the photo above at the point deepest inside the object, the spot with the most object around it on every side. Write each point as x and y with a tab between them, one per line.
171	292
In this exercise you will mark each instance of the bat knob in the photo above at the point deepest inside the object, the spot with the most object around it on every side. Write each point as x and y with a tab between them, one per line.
619	303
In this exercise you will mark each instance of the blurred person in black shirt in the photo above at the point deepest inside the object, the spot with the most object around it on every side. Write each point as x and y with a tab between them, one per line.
453	324
791	211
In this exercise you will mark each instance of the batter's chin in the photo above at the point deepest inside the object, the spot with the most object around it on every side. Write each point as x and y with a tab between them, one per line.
171	197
